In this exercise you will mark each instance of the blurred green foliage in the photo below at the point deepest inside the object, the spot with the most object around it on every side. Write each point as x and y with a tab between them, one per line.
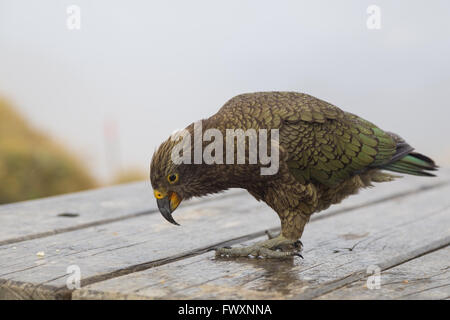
32	165
130	175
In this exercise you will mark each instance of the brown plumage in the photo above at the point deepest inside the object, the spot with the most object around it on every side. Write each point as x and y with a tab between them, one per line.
325	154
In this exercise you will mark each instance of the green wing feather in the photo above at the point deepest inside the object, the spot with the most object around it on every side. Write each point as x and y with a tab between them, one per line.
413	163
334	146
324	143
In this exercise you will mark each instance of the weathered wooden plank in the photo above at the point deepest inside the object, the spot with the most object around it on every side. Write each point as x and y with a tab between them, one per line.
131	244
384	265
427	277
117	248
39	218
15	290
336	248
43	216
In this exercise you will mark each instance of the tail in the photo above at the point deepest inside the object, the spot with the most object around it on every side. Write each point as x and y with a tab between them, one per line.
413	163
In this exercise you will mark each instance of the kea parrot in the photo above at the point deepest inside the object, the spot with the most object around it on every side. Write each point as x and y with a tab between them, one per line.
325	154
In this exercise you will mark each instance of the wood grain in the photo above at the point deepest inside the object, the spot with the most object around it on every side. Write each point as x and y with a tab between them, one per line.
335	249
427	277
45	217
130	240
132	244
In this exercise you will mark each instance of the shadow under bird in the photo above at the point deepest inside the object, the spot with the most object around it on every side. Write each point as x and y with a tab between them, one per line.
325	155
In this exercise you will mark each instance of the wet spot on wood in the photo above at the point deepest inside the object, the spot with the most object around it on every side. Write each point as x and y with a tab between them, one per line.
352	236
69	215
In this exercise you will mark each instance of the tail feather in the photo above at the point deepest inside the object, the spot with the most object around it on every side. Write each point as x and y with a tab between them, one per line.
413	163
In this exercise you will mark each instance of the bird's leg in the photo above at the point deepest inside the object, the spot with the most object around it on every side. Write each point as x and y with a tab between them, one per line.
266	249
285	245
270	235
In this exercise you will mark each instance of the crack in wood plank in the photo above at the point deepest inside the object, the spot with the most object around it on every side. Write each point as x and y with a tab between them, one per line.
383	199
174	275
156	263
359	275
235	194
14	290
424	290
198	251
105	221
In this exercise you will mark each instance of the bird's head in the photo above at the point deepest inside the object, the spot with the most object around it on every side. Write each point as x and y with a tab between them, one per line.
173	182
166	181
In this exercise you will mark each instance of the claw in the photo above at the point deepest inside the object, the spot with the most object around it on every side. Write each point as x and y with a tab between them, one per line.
298	242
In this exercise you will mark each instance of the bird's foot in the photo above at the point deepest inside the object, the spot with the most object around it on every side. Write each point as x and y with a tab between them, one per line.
274	248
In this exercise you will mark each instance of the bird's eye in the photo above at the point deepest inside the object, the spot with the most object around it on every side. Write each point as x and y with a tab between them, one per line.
172	178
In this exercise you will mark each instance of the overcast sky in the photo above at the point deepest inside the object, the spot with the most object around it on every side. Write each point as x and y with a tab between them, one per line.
149	67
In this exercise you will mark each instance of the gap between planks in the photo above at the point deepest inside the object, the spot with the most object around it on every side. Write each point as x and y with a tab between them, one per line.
397	195
199	251
130	285
361	274
147	265
110	220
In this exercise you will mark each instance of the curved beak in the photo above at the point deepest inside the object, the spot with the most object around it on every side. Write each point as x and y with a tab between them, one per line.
167	205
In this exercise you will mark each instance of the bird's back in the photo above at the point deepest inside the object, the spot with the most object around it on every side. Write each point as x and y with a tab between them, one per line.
324	143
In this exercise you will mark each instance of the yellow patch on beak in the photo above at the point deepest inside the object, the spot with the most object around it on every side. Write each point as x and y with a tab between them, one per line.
158	194
175	200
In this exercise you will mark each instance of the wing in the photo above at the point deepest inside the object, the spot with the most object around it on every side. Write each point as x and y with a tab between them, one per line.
327	145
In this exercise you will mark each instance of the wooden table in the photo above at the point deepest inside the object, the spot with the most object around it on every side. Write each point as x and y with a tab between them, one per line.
395	235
